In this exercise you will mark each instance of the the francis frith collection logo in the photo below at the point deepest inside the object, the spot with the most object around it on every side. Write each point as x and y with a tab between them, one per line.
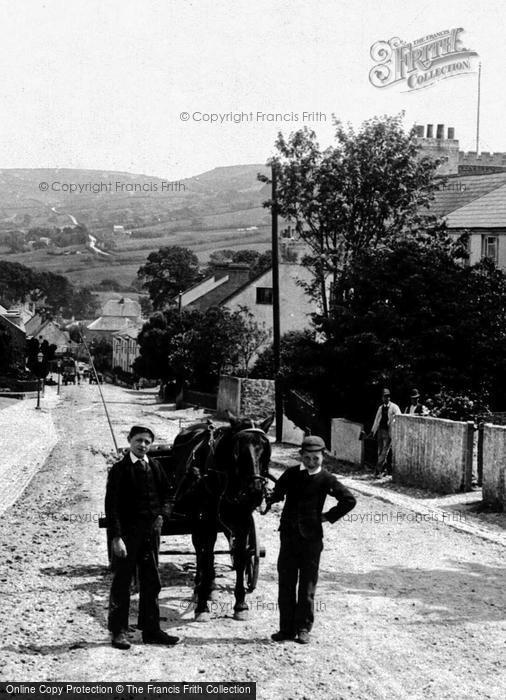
420	63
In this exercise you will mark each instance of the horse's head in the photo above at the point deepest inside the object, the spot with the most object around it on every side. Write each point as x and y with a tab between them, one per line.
250	457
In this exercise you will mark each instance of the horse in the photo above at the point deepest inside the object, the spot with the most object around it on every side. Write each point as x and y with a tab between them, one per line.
220	476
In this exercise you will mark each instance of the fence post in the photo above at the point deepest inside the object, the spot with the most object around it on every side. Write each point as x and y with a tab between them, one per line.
481	430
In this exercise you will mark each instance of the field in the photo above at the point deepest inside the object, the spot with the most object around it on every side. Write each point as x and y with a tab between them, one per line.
87	269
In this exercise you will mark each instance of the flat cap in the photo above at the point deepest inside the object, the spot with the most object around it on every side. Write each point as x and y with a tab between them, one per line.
140	429
312	443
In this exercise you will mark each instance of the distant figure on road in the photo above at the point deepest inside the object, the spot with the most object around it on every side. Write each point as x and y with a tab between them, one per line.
137	499
416	407
306	487
382	430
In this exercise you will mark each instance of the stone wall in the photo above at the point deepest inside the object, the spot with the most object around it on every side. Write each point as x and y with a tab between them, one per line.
494	466
257	397
432	453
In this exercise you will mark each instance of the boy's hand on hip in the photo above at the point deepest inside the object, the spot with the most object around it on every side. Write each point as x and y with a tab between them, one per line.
118	547
157	525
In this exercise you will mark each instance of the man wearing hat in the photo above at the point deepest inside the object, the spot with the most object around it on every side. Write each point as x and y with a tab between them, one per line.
136	501
416	407
382	430
305	488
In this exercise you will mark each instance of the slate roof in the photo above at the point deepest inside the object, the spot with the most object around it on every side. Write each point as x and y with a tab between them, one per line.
488	211
109	323
121	307
463	189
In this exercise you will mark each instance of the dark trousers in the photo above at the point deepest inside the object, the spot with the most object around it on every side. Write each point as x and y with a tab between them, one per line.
142	552
299	560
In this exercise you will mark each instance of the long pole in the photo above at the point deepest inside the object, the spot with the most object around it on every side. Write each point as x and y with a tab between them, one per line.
278	395
478	112
101	394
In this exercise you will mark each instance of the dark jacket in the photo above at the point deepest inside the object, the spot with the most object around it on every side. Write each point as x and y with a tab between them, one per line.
305	499
122	498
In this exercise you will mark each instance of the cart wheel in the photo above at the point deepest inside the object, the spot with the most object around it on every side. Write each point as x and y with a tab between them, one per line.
254	554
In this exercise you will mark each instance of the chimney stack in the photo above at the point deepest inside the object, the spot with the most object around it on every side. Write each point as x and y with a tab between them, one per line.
430	131
419	129
451	132
440	134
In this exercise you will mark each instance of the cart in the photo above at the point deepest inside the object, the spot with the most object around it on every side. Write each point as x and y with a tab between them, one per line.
181	525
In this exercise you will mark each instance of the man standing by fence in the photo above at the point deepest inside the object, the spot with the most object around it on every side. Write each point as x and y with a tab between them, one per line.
382	430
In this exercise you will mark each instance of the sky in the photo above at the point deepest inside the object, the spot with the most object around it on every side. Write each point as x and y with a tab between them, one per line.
128	85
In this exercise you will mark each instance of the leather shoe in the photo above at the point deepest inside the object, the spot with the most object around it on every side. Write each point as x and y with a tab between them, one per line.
120	641
159	637
282	637
303	637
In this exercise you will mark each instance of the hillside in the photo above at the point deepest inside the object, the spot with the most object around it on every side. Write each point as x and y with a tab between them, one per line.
216	209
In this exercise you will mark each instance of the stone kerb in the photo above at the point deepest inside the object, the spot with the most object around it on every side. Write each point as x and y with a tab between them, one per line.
494	469
432	453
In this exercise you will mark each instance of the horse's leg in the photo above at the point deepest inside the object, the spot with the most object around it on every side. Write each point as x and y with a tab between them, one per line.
204	539
240	557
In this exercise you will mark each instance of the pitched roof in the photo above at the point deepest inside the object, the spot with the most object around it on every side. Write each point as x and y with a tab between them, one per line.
131	332
109	323
462	190
121	307
488	211
245	286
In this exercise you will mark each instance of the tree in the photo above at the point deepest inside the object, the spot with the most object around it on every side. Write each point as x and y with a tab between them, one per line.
6	354
258	262
370	186
101	350
192	346
410	314
254	337
167	272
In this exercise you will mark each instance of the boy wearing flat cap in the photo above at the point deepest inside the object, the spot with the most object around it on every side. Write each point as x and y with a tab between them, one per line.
136	501
305	488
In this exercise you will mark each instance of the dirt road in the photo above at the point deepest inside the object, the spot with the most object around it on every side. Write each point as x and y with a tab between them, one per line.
404	609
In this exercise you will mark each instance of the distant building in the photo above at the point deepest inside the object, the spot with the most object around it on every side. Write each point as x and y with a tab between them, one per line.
12	322
48	330
125	349
210	292
117	315
453	161
295	306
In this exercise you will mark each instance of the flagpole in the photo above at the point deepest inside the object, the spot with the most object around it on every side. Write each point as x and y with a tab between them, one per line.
478	112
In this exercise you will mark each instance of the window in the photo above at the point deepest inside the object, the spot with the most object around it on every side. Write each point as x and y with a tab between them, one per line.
490	245
264	295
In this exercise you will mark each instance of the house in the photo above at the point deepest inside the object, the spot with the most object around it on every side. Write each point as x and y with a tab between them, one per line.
12	323
117	315
125	349
484	219
227	278
49	330
295	306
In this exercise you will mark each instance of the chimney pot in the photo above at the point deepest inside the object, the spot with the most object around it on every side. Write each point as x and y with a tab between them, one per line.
419	129
430	131
451	132
440	134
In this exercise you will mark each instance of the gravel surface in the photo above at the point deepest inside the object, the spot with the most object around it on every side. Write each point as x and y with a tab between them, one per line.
405	608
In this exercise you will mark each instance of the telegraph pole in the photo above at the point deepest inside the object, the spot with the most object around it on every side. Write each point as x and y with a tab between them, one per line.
275	309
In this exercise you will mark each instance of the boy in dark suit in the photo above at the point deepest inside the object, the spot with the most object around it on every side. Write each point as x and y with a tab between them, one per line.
136	501
305	487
